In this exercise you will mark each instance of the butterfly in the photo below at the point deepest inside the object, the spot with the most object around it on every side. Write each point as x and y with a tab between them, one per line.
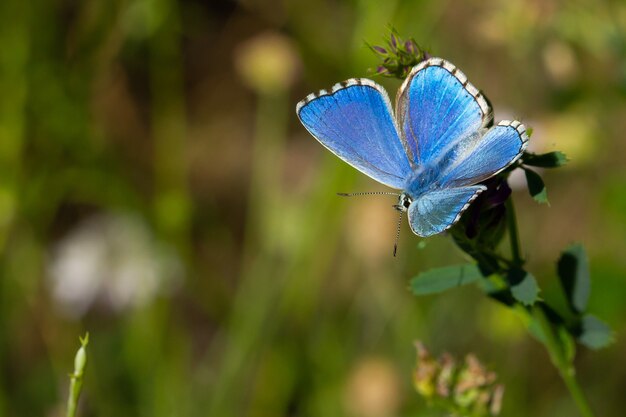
437	147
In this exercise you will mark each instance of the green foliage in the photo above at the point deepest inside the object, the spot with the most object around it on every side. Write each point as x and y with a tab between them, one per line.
567	343
554	159
524	287
536	187
574	275
442	279
573	272
594	333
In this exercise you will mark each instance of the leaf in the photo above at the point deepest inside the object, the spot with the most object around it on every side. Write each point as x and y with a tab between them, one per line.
573	271
567	343
497	288
536	187
523	286
547	160
441	279
594	333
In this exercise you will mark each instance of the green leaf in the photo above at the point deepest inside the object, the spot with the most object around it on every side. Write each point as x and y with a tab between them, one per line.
524	286
573	271
536	187
493	283
594	333
567	343
547	160
441	279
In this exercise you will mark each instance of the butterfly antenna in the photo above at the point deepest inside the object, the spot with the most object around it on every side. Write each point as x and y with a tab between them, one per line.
367	193
395	246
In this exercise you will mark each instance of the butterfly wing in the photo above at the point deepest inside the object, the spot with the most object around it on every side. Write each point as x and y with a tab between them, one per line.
354	121
436	211
477	159
436	107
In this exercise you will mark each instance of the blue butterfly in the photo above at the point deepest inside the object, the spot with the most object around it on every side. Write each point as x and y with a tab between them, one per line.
436	147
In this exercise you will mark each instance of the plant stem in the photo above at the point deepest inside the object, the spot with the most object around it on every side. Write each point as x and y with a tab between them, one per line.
557	356
511	221
564	366
76	378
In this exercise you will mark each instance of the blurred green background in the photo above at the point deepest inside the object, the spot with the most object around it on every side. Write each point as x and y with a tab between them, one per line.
157	190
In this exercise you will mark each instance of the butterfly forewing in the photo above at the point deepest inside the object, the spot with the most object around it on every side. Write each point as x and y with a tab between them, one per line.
354	121
436	107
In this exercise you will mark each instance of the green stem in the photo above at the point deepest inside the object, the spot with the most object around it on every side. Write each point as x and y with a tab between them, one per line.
511	221
76	378
559	360
564	366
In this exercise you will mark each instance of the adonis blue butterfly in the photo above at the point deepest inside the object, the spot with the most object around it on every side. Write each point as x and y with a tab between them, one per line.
436	148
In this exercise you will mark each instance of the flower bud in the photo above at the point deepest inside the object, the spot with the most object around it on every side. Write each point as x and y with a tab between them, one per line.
399	56
393	42
379	49
425	372
465	390
80	360
445	380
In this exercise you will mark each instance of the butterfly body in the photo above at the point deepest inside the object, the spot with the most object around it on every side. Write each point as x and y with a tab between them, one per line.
436	147
423	179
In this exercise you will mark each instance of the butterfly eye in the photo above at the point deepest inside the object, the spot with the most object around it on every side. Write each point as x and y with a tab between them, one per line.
404	202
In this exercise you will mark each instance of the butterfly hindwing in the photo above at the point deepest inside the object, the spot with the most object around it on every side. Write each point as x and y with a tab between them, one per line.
355	121
436	211
436	107
498	148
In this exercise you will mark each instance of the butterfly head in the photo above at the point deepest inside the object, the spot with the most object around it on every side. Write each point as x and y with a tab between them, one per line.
404	201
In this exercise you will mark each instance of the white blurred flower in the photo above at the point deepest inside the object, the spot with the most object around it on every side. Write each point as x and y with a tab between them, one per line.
111	259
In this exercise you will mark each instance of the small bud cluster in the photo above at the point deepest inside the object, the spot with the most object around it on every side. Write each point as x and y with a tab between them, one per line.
398	56
464	389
